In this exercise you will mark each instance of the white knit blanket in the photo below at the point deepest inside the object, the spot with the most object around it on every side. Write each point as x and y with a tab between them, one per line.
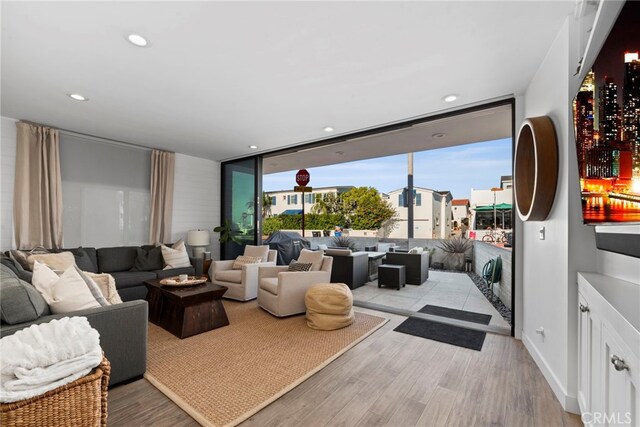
46	356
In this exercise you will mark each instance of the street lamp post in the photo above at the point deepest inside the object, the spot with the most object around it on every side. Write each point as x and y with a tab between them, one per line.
495	216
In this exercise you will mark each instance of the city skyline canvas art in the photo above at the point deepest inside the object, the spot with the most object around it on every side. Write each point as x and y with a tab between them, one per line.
607	126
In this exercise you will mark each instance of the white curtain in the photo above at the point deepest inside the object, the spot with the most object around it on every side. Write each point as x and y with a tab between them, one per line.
162	174
37	195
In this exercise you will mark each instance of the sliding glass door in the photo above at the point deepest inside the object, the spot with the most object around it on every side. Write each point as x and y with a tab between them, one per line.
240	204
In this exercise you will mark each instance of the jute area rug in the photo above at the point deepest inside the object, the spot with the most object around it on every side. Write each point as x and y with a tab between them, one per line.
224	376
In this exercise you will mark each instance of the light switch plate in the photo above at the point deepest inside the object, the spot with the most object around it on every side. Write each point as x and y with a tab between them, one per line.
542	233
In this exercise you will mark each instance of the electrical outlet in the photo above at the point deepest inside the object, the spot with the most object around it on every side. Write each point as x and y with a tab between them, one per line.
542	233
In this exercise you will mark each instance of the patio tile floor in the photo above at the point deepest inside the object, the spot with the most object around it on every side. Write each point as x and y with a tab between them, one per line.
445	289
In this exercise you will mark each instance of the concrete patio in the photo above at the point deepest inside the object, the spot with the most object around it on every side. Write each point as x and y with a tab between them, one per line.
445	289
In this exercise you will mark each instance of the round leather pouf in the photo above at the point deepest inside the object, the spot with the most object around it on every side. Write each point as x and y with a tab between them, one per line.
329	306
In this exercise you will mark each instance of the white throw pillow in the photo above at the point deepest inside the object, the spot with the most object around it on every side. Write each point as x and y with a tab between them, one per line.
312	257
65	293
107	285
416	250
176	256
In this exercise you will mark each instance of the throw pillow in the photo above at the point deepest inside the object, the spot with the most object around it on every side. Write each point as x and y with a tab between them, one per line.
16	267
20	257
175	256
20	301
300	266
57	262
93	287
107	285
150	260
257	251
65	293
82	259
243	259
313	257
416	250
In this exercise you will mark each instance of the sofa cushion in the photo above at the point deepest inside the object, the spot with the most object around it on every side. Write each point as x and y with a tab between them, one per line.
175	271
338	252
55	261
130	279
313	257
148	260
175	256
20	302
269	284
65	293
233	276
120	258
257	251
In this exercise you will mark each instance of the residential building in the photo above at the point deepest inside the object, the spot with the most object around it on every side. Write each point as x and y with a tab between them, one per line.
289	202
460	210
482	202
432	217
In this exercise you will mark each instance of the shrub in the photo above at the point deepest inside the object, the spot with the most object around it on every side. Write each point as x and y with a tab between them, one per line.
457	245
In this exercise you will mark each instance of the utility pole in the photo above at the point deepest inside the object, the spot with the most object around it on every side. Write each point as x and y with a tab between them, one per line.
409	199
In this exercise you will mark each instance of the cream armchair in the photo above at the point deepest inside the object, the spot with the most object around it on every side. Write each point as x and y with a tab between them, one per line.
281	292
243	283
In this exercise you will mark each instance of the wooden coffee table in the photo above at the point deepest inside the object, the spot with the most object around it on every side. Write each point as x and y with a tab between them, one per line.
186	311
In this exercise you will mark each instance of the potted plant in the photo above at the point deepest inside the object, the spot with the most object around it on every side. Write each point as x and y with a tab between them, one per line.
227	233
455	252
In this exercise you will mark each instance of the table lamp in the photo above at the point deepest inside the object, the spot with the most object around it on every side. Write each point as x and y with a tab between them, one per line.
198	240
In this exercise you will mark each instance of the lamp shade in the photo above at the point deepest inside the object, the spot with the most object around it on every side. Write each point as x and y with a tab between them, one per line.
198	238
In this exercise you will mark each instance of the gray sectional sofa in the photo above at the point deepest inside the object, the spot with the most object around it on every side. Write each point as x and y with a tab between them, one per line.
122	327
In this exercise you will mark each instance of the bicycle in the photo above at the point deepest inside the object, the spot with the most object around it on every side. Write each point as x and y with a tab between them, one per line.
495	237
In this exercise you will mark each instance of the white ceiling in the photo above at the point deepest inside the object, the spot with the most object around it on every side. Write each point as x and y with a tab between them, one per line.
220	76
477	126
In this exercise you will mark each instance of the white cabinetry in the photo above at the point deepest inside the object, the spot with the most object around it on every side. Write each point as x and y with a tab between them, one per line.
609	350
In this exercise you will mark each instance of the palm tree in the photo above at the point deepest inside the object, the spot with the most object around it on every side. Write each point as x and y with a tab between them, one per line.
266	205
329	203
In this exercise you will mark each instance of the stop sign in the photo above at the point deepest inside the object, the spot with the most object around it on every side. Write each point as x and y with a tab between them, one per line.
302	177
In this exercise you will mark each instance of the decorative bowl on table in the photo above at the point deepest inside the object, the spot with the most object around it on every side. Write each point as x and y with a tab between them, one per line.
175	281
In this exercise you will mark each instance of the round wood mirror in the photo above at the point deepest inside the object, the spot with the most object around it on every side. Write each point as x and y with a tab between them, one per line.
535	169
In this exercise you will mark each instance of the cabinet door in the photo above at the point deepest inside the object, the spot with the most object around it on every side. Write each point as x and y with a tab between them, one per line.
619	380
585	359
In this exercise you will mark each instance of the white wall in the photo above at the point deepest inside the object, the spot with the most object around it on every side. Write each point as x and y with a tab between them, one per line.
548	267
196	199
196	192
7	171
545	266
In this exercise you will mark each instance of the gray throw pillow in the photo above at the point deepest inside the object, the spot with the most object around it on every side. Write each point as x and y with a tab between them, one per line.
83	260
19	301
148	260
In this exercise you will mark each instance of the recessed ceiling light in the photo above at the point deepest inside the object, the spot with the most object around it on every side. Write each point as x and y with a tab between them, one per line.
253	147
137	40
77	97
328	129
450	98
438	135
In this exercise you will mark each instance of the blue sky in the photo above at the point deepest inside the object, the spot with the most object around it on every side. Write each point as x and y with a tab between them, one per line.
457	169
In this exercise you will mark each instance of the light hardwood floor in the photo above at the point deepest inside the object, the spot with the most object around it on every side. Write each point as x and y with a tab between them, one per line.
390	379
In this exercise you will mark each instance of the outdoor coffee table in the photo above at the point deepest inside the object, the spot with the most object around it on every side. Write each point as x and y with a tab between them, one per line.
186	311
392	275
